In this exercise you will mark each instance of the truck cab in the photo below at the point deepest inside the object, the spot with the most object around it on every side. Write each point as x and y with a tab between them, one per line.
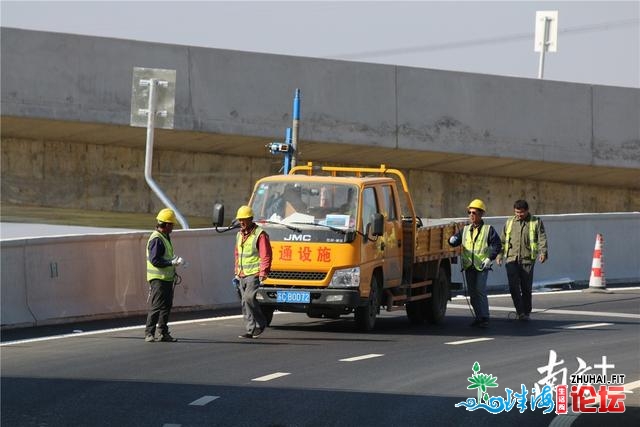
340	242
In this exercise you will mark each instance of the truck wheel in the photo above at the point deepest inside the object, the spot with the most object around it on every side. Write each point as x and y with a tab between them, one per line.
268	314
366	315
436	307
415	311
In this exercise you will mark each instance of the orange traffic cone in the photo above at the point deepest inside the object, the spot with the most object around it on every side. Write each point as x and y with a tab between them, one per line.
596	281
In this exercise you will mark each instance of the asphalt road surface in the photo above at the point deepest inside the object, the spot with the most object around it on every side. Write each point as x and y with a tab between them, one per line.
310	372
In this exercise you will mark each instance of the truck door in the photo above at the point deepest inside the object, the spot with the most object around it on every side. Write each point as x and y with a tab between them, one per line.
392	238
370	250
389	245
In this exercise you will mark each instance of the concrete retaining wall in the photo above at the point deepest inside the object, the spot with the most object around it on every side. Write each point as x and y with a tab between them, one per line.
110	178
240	100
88	79
63	279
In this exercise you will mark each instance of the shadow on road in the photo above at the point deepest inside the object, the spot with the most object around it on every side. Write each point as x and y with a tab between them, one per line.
131	403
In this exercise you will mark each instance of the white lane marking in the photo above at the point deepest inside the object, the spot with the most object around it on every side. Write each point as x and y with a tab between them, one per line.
552	311
272	376
552	293
106	331
363	357
203	400
591	325
468	341
563	420
171	425
125	328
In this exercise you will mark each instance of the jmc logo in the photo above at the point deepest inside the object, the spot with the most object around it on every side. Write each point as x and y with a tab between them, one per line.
298	238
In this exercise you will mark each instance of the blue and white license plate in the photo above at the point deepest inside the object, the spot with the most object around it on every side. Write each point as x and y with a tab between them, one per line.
294	297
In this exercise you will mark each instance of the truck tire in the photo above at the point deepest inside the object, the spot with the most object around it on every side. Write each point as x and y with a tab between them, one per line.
415	311
366	316
436	307
268	314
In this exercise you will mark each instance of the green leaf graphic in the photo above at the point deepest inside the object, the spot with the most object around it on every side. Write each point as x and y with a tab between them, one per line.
481	382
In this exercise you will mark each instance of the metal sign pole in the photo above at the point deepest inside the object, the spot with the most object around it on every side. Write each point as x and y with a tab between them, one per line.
545	46
148	158
159	101
151	120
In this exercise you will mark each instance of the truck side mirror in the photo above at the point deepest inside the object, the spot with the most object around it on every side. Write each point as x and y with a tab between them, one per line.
378	224
218	214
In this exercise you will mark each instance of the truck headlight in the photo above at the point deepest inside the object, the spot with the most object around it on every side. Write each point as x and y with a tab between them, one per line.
346	278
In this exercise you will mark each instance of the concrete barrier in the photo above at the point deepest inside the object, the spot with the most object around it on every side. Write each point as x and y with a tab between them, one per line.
14	308
69	278
206	279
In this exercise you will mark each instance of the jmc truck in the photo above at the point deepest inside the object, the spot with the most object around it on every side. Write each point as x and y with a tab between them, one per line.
347	240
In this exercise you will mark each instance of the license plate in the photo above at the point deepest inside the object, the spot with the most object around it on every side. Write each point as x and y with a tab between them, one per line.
294	297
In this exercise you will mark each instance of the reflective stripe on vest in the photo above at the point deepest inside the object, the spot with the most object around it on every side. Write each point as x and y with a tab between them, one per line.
474	250
533	243
248	254
164	273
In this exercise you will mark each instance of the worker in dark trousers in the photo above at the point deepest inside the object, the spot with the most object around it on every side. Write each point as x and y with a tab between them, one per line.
252	265
161	274
524	242
480	246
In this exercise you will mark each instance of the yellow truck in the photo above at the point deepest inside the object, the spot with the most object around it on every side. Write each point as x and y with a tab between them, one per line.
347	240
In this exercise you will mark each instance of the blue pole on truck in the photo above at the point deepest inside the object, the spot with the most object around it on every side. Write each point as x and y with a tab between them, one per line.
288	155
289	146
296	126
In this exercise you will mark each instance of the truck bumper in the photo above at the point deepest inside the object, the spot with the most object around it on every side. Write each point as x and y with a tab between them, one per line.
323	302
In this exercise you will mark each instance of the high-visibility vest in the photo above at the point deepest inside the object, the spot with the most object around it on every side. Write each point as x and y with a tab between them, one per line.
164	273
474	249
533	242
248	254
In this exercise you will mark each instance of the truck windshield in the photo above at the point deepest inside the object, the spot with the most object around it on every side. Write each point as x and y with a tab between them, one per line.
290	202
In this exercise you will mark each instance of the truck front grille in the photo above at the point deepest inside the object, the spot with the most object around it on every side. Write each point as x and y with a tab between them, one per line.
297	275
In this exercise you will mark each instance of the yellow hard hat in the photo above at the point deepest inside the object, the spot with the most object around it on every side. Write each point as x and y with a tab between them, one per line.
167	215
244	212
477	204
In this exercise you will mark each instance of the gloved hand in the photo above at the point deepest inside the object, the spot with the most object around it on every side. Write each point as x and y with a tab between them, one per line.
177	261
261	280
236	284
486	264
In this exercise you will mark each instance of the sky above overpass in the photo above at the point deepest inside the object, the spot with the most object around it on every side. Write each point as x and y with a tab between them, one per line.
598	41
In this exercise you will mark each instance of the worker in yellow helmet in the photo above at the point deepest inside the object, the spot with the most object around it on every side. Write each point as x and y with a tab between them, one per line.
161	274
252	266
480	246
